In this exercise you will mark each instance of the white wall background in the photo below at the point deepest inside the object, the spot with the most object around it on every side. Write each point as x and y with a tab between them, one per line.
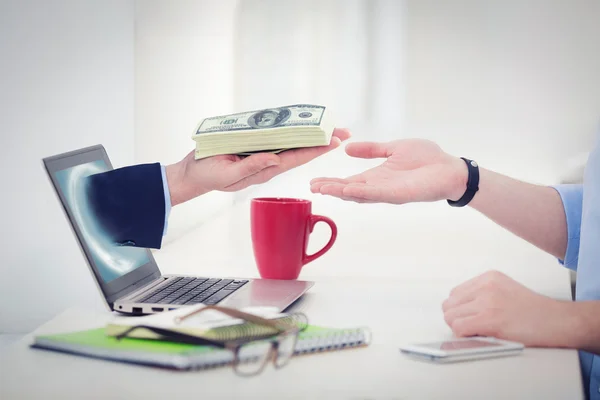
345	54
512	83
66	81
183	73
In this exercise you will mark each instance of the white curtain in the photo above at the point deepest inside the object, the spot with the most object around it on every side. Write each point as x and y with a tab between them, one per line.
344	54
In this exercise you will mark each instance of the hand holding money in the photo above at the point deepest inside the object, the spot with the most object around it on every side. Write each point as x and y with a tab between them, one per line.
269	130
190	178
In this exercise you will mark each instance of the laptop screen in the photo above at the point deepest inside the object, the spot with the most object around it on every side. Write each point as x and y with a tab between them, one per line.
117	269
112	261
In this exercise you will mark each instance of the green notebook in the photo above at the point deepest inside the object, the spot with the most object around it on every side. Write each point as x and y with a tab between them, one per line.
96	344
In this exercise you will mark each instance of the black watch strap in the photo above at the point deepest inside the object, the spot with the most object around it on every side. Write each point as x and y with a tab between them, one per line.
472	185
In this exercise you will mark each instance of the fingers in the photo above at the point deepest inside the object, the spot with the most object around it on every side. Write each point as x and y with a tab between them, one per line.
333	189
357	200
368	192
353	190
345	188
469	290
249	166
459	299
342	134
336	185
469	318
473	325
464	310
316	184
487	282
463	293
472	308
368	150
297	157
256	179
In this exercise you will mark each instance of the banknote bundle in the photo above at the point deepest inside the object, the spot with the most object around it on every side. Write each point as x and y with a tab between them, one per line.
268	130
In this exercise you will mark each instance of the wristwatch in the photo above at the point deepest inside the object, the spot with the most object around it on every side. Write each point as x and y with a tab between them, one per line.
472	184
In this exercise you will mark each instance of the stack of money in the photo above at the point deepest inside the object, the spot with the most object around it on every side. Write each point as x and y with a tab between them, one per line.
268	130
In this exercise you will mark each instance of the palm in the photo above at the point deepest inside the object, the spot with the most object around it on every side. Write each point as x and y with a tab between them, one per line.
210	170
414	170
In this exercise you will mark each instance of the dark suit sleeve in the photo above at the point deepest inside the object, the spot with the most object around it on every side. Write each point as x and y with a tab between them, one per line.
129	203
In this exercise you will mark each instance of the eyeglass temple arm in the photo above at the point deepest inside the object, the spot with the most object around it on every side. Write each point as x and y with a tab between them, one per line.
233	313
171	335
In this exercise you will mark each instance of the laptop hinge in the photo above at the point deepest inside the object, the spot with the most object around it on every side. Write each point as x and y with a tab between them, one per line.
134	287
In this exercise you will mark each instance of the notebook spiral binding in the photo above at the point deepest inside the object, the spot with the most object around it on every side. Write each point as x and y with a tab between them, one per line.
334	340
317	342
250	331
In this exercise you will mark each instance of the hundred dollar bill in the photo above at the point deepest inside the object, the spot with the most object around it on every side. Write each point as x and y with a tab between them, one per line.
300	115
268	130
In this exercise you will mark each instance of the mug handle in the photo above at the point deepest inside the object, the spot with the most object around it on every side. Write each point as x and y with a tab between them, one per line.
312	222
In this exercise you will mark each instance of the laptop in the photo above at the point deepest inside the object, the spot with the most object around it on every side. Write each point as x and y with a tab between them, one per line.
128	277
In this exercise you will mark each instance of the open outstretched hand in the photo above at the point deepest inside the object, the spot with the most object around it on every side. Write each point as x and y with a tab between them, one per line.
414	170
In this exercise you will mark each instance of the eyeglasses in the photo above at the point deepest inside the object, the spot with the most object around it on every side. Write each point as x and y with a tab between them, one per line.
253	343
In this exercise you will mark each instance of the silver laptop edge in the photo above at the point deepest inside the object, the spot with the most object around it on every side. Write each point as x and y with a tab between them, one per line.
257	292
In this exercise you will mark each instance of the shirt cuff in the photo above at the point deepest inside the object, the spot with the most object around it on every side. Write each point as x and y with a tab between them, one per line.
572	199
167	198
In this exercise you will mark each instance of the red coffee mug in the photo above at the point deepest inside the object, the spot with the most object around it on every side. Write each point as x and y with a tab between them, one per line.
280	231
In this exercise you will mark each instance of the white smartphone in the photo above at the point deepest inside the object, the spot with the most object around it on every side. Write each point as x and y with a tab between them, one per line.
463	349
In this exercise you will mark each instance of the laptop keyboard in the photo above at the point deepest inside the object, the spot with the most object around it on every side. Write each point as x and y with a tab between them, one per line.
187	290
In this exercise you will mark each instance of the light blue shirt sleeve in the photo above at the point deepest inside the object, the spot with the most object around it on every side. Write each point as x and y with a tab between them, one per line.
167	198
572	199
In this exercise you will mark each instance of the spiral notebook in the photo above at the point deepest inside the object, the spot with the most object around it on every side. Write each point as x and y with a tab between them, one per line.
101	343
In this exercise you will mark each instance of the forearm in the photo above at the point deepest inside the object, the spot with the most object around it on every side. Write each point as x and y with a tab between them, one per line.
532	212
180	188
175	180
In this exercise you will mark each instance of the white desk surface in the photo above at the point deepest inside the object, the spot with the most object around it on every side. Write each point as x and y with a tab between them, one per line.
390	269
